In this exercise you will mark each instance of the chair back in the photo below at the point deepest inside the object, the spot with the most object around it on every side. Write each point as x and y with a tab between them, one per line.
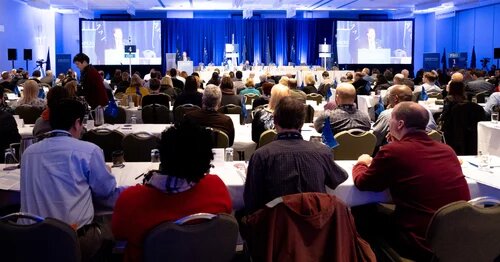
155	114
221	139
28	114
480	97
214	239
232	109
309	117
181	110
316	97
47	239
108	140
267	137
436	135
461	127
465	231
249	98
137	146
353	143
121	117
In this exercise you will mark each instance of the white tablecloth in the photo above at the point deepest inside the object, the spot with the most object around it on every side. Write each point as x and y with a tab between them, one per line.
233	174
487	135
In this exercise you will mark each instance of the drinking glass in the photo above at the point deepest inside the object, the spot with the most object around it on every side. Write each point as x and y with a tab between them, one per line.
494	118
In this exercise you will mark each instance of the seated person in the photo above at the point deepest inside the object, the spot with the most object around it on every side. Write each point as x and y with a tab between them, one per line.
8	132
229	95
346	116
155	97
362	86
493	101
209	116
190	94
249	88
136	87
263	119
30	95
310	82
264	98
54	96
289	164
185	152
295	92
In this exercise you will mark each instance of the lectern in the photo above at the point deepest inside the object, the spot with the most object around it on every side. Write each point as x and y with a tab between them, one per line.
232	52
325	51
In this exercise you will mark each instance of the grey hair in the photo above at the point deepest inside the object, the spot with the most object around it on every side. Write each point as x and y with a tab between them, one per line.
212	97
263	77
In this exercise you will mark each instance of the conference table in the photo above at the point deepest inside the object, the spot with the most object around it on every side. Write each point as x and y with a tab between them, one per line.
487	133
233	174
243	143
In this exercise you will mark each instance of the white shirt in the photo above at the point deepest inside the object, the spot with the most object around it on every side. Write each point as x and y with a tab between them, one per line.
61	175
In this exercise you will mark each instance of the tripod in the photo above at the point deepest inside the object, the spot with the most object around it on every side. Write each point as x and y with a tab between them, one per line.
39	66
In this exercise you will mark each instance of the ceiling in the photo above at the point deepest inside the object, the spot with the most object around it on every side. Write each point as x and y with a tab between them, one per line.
393	6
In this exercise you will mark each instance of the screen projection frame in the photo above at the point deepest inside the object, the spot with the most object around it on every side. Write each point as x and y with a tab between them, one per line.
112	53
344	49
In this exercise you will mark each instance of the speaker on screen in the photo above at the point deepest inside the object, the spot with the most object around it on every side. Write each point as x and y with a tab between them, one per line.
497	53
28	54
12	54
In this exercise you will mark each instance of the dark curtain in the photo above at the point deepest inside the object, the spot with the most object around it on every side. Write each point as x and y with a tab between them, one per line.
290	40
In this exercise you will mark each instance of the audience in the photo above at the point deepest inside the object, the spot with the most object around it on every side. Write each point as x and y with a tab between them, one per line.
422	175
263	118
8	131
175	80
190	94
478	84
361	85
346	116
310	82
167	87
249	88
238	82
209	116
54	96
289	164
181	187
136	87
124	83
62	177
30	95
264	98
229	95
155	97
295	92
430	83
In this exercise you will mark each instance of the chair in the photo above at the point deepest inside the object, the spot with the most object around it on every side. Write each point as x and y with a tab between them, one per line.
309	117
48	239
137	146
304	227
108	140
436	135
214	239
221	139
155	114
119	95
181	110
353	143
28	113
480	97
460	128
249	98
232	109
267	137
466	231
121	117
316	97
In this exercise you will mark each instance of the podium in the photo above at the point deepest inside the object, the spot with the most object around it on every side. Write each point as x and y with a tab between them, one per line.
374	56
325	52
185	66
231	51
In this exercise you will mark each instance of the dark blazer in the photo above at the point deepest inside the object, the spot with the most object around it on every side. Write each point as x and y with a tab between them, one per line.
8	132
478	86
188	98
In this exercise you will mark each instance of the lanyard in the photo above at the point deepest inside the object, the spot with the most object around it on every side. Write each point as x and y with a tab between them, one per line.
289	136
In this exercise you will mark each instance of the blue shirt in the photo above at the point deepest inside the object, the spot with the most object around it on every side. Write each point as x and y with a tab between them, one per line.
493	100
61	175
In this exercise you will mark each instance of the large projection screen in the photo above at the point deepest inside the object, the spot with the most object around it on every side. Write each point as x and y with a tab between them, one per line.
375	42
104	41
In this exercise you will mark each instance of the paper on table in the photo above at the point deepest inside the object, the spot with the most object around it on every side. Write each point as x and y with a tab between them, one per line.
8	182
489	177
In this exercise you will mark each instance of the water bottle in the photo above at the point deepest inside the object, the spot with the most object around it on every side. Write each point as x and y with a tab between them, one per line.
229	154
155	155
133	119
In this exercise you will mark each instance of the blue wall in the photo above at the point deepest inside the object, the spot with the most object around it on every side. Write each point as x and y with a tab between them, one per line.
26	27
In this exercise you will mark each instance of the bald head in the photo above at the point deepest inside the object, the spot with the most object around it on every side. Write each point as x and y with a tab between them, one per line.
399	93
398	79
457	77
345	94
415	116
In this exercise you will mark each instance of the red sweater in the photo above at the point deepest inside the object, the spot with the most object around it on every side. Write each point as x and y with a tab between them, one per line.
422	175
140	208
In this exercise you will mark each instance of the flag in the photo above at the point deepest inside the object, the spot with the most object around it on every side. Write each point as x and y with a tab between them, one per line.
205	51
327	135
268	51
328	92
379	107
47	65
292	51
244	51
178	55
443	61
473	58
423	95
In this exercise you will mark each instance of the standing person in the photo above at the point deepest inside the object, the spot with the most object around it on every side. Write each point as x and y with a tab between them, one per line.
62	177
91	82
